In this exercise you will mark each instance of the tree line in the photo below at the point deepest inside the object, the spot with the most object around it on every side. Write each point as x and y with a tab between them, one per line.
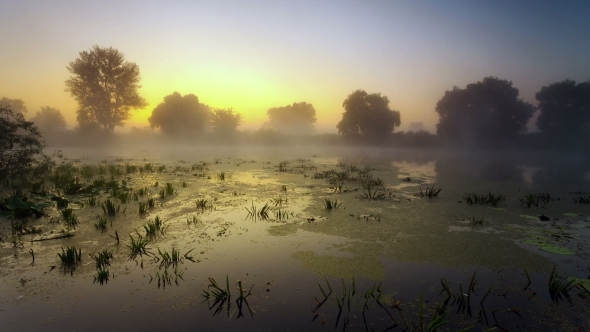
488	113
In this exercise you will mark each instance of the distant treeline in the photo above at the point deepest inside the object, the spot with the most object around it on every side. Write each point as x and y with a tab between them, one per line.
488	114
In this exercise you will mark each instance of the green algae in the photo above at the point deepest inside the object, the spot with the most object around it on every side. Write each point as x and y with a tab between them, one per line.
569	214
526	216
557	250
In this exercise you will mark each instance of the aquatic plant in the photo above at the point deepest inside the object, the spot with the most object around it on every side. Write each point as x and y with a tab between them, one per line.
102	276
283	188
255	213
102	259
278	201
529	200
109	208
430	192
582	199
101	224
201	204
282	214
165	278
329	204
169	189
70	256
220	176
474	198
91	201
194	221
151	203
69	217
157	225
138	246
174	258
558	287
143	207
476	221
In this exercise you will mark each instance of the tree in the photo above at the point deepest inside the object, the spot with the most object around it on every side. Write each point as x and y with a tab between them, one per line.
180	115
224	122
486	113
368	115
105	87
21	147
292	119
565	108
15	105
49	119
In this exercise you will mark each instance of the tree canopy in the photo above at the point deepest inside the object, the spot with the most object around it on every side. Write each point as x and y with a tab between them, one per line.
105	87
15	105
49	119
21	147
368	115
180	116
292	119
486	113
224	122
565	108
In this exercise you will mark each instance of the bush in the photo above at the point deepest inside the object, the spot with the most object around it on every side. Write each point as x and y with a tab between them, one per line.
21	148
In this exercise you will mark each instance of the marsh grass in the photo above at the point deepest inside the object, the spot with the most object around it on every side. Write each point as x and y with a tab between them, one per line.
559	287
279	201
195	221
282	214
69	218
331	204
284	188
254	213
174	258
138	246
110	208
143	208
102	276
92	201
101	224
151	203
430	192
155	226
70	256
220	176
476	221
202	204
103	258
169	189
582	199
482	199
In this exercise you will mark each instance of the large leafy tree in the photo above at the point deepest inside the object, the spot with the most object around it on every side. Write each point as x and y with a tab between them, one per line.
224	122
565	108
293	119
369	116
180	116
49	119
21	148
486	113
105	87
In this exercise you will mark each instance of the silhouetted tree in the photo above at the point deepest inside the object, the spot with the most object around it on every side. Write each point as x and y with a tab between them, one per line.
486	113
224	122
49	119
180	116
15	105
296	118
105	87
369	116
565	108
21	147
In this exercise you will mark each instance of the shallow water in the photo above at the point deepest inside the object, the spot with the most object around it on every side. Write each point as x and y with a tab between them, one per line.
404	242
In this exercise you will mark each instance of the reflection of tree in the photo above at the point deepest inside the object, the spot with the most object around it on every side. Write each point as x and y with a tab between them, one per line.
486	113
487	169
572	172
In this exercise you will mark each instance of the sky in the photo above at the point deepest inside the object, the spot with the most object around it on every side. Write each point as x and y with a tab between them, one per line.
254	55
